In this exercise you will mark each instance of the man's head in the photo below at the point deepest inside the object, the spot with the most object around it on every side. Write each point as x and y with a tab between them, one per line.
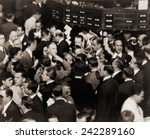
2	40
137	93
20	78
6	79
52	49
7	96
118	46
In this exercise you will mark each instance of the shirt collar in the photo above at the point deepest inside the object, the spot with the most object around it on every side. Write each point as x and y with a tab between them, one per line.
115	73
32	96
144	62
11	43
50	81
128	79
60	40
136	71
106	78
21	37
1	49
78	77
29	51
94	70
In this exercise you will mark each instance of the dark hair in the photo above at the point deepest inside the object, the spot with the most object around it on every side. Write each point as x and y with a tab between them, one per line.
10	15
45	32
127	116
23	73
93	61
119	63
27	102
51	72
97	39
108	68
138	62
76	47
128	72
45	61
60	33
36	12
30	41
80	68
32	85
17	66
145	40
136	89
9	93
4	75
14	51
22	27
57	91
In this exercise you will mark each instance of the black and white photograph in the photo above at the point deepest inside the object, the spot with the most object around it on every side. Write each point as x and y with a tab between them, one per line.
75	61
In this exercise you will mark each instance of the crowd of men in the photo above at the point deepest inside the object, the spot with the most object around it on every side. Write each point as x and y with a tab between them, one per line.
69	74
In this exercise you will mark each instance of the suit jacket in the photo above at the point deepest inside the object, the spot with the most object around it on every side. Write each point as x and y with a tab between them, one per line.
118	78
27	60
2	56
39	50
106	101
124	91
12	114
37	105
139	77
64	111
83	94
8	47
93	79
146	86
33	115
46	91
7	27
62	47
32	36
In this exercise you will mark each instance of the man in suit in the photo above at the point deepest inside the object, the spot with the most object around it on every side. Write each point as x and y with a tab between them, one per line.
124	89
146	70
27	58
64	111
3	55
46	88
22	37
62	45
31	91
36	33
28	112
136	64
9	44
117	66
82	92
42	45
94	76
7	27
11	112
106	97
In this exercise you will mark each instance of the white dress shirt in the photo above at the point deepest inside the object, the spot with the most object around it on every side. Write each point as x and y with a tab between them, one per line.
132	106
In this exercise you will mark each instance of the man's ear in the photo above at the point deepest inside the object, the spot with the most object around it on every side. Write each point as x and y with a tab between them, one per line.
3	82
